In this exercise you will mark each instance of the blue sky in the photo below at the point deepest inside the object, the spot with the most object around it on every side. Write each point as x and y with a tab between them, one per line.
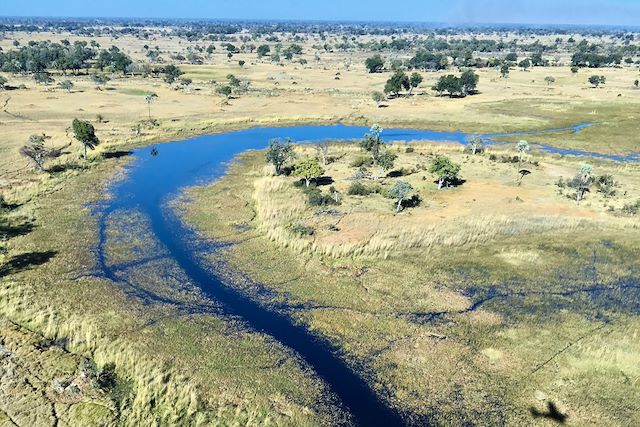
622	12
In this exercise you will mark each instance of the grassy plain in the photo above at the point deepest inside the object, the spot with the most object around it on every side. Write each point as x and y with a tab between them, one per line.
482	305
179	361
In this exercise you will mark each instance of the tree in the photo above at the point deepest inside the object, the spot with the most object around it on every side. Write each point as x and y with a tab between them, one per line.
525	64
85	133
468	82
582	181
263	50
574	70
372	142
450	84
522	147
522	173
99	79
400	191
636	83
308	169
171	73
397	82
595	81
323	150
550	80
386	161
149	98
511	57
445	170
606	185
279	152
37	153
414	82
504	71
378	98
241	63
42	77
3	82
374	64
476	145
224	90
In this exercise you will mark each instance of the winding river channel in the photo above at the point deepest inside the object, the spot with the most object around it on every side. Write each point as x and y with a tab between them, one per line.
152	181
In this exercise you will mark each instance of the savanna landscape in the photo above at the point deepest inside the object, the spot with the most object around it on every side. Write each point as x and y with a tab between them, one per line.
305	223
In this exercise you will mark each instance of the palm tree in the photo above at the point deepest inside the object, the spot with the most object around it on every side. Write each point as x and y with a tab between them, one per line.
150	98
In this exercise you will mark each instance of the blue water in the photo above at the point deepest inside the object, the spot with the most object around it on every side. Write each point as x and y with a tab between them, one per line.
152	181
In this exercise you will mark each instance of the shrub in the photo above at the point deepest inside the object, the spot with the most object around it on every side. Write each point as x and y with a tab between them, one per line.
360	161
302	230
631	208
358	189
315	197
409	150
606	185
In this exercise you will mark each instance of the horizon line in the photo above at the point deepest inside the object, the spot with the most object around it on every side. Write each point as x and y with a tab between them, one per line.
328	20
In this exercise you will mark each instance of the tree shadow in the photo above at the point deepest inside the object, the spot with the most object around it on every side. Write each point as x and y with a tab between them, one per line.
65	167
9	231
324	180
552	413
456	182
116	154
25	261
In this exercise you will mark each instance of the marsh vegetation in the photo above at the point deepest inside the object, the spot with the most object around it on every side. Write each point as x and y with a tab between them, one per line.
481	284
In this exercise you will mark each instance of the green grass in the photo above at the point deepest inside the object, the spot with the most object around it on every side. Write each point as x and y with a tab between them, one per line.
134	92
488	366
182	368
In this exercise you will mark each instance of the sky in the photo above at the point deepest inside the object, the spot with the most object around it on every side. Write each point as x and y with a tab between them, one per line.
604	12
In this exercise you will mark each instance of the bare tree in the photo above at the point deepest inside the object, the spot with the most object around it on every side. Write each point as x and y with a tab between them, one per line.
323	151
37	153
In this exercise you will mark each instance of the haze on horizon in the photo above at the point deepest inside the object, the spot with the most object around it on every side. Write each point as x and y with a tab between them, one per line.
570	12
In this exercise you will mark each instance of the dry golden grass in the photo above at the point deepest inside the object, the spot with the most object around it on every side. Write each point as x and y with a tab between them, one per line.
488	205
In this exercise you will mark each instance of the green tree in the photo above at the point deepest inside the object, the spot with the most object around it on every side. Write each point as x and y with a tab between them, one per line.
504	71
149	98
378	98
574	70
279	153
171	73
582	181
595	81
550	80
263	50
372	142
386	161
468	82
85	133
374	64
398	81
414	81
525	64
66	85
309	169
400	191
522	147
511	57
224	90
42	77
450	84
445	170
